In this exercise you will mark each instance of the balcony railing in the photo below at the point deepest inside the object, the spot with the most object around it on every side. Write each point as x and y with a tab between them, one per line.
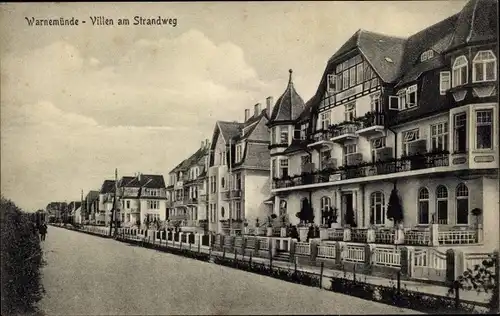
179	217
236	224
191	201
416	162
232	194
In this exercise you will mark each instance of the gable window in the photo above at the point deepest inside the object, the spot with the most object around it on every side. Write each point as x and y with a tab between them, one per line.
377	208
331	82
284	167
239	152
439	137
284	135
325	120
460	71
423	206
411	97
352	77
484	67
444	82
484	129
408	138
460	133
442	204
462	196
350	111
427	55
326	203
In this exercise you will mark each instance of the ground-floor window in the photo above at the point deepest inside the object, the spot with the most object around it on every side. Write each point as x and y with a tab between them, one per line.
326	203
462	195
377	208
423	206
442	204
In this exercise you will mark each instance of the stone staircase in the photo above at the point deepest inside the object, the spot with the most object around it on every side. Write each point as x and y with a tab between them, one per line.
282	256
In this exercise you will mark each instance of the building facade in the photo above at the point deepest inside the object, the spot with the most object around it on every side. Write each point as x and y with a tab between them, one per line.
414	118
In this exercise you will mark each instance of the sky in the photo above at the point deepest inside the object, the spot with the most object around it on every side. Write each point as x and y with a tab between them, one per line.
79	101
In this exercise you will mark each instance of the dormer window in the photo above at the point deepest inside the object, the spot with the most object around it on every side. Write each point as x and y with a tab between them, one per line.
239	152
411	97
460	71
484	67
427	55
404	99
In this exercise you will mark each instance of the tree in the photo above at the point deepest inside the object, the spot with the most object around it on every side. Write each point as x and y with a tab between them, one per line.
483	278
394	208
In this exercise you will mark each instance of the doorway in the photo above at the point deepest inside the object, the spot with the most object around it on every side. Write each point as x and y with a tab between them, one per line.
348	209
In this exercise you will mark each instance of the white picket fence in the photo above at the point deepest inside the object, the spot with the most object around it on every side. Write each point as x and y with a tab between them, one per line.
303	248
326	251
386	256
353	253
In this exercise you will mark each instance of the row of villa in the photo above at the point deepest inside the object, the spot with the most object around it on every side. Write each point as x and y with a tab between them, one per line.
406	125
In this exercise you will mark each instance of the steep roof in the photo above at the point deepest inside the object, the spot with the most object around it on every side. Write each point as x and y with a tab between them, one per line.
229	129
108	186
476	22
256	156
383	52
289	105
92	195
144	180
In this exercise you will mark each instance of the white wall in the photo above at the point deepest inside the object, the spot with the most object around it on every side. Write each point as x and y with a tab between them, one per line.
256	191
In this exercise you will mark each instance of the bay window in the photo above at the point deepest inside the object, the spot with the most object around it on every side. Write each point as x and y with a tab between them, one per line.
239	152
484	67
460	71
284	135
411	97
303	131
274	169
484	129
349	150
283	167
460	131
439	137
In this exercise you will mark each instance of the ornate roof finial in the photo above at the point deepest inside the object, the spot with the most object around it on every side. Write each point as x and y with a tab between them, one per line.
290	79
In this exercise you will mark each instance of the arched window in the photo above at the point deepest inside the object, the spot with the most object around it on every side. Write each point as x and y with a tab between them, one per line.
442	204
377	208
326	203
460	71
462	195
222	211
423	206
484	66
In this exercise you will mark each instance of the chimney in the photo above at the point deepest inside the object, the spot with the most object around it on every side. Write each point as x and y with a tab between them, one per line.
256	109
247	114
139	176
207	143
269	105
202	144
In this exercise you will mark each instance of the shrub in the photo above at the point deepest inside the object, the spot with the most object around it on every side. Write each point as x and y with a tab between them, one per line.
21	261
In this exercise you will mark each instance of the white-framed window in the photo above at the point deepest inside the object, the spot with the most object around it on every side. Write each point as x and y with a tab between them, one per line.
439	136
442	204
423	206
274	169
460	71
359	73
213	184
352	76
375	104
428	54
325	157
303	131
444	82
349	149
484	66
345	79
350	111
462	203
153	205
377	208
376	144
411	97
284	167
326	203
284	135
283	205
331	83
325	120
239	152
409	137
484	129
460	132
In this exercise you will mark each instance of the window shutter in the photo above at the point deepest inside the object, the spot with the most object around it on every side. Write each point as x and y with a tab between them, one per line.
394	103
444	82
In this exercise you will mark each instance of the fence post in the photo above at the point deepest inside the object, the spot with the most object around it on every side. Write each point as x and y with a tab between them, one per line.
295	264
235	254
199	247
209	253
354	273
224	253
321	276
399	282
250	260
457	294
271	262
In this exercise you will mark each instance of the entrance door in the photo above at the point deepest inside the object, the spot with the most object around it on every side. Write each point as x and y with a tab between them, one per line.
348	209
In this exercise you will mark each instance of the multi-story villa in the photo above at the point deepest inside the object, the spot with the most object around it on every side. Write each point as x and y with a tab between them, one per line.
238	180
142	198
106	196
187	190
411	119
91	206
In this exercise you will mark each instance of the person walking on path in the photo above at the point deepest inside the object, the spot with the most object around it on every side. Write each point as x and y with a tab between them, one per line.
43	231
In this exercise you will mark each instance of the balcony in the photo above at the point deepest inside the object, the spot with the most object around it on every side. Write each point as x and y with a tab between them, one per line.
134	210
372	125
170	204
178	217
344	132
236	224
178	203
321	138
231	195
409	163
191	201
